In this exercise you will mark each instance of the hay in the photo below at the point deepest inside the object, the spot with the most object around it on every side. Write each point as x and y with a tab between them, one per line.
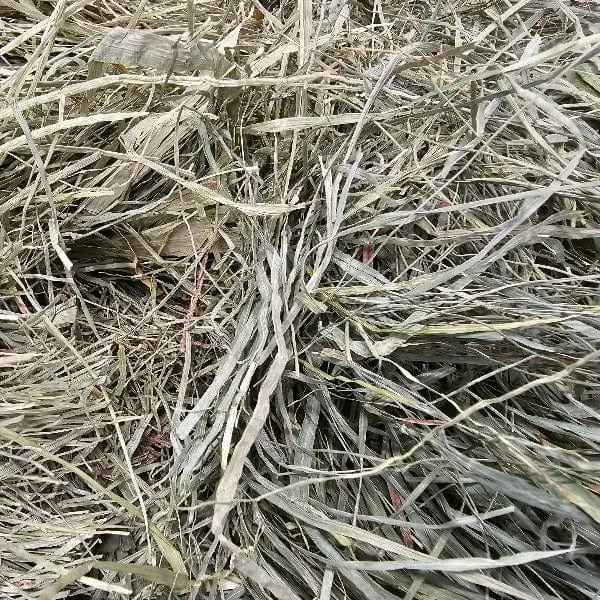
299	300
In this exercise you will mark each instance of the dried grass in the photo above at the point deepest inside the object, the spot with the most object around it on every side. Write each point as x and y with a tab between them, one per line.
299	300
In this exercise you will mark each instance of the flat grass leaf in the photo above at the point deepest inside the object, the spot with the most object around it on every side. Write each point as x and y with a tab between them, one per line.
451	565
583	498
591	81
162	576
247	567
14	359
135	48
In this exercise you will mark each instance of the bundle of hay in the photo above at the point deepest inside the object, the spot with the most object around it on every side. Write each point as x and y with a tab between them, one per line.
299	300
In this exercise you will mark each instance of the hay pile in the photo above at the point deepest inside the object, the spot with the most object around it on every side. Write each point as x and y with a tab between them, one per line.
299	300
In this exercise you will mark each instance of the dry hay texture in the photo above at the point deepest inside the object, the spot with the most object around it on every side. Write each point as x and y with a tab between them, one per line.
299	300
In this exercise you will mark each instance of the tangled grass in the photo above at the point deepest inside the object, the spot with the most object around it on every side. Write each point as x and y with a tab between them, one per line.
299	300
